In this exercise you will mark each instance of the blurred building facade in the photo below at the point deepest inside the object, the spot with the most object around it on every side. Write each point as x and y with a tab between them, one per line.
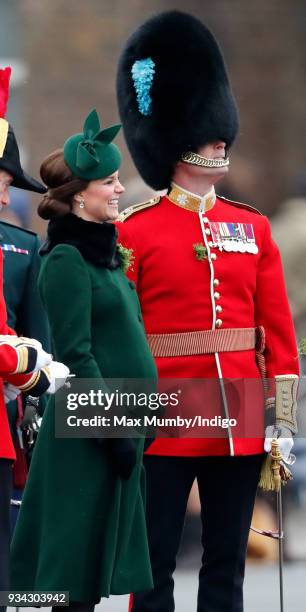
70	50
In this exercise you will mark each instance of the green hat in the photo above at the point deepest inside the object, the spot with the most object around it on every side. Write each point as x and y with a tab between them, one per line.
91	155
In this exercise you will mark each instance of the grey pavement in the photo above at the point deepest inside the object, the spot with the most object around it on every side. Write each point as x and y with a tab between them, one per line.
261	591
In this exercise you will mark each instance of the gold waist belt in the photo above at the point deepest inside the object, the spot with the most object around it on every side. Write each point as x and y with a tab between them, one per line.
202	342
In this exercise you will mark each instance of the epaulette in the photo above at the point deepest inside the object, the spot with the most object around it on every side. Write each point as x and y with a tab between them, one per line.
125	214
240	205
20	229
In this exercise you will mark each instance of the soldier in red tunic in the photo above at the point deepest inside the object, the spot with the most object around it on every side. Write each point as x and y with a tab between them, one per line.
210	283
24	365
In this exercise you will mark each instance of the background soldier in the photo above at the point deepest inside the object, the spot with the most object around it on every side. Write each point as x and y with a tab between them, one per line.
25	314
22	361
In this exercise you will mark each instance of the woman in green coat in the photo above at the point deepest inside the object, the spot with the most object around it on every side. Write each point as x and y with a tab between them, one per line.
82	526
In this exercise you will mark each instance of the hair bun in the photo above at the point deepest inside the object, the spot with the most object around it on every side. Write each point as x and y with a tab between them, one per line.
63	186
50	207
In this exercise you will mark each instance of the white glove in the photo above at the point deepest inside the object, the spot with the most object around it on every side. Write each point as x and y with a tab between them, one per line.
17	342
10	392
43	358
57	373
284	438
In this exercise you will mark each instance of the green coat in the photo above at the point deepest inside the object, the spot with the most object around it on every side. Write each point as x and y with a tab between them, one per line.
81	528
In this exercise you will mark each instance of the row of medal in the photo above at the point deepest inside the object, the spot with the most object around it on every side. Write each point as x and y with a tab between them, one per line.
233	237
13	248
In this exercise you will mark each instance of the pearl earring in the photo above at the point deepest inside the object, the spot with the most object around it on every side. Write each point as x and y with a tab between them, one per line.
82	205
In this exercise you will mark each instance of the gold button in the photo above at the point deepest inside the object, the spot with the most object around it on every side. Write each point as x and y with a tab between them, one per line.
217	295
218	308
213	256
206	220
216	282
207	231
219	322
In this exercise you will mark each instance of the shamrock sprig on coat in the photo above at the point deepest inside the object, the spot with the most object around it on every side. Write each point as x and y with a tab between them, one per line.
200	251
127	257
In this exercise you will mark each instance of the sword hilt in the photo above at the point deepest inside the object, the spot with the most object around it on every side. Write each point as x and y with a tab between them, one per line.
276	458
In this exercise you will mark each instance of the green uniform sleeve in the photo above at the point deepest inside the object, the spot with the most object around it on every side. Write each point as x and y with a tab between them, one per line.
32	319
66	290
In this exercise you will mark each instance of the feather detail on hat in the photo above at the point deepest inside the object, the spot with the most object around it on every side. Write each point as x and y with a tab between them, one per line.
5	75
174	94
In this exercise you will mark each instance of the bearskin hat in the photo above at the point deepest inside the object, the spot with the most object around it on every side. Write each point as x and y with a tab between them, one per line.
174	94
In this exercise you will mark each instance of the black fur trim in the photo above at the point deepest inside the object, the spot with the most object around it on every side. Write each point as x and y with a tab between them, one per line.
97	242
192	101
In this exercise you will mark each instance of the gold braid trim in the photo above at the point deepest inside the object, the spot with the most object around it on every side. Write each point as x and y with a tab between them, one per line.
23	359
286	400
21	351
127	212
191	201
31	382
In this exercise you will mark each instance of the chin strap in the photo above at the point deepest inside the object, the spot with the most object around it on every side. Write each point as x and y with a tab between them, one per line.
198	160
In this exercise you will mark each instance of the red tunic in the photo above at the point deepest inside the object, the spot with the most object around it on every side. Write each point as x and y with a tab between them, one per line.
175	291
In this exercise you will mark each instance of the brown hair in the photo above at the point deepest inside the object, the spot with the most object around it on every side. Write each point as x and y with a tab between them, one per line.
62	184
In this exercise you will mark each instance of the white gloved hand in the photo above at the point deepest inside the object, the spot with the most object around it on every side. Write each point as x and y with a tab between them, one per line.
284	438
57	373
19	342
10	392
43	358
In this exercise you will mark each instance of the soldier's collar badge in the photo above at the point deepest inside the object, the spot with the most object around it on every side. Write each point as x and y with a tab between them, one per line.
191	201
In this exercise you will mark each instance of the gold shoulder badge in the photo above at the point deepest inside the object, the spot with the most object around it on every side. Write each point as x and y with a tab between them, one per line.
131	210
240	205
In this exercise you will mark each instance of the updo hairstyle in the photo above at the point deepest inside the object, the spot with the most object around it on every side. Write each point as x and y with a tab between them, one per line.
62	185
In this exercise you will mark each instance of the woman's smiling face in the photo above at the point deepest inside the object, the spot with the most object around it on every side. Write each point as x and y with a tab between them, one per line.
100	199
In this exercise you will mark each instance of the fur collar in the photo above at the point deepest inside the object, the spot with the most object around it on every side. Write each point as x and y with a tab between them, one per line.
97	242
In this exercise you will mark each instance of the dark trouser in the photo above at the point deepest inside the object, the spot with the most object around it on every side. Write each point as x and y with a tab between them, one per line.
227	488
5	500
